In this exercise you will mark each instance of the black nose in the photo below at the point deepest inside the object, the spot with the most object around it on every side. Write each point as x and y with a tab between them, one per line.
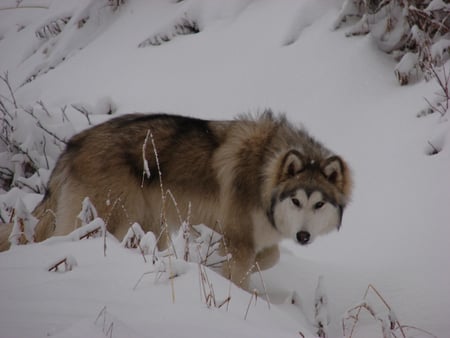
303	237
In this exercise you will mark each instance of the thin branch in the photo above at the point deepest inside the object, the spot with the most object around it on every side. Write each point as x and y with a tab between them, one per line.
23	7
64	115
44	108
435	150
419	329
44	146
83	111
5	79
39	124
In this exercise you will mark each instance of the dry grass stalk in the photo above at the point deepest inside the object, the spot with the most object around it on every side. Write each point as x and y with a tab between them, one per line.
254	294
394	327
67	262
116	201
207	293
106	329
160	270
146	169
263	284
134	242
172	285
93	233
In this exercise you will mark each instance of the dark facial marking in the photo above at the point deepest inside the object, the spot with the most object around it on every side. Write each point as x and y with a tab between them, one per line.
341	212
271	211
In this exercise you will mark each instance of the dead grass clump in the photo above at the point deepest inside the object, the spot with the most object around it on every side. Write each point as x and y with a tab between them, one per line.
380	311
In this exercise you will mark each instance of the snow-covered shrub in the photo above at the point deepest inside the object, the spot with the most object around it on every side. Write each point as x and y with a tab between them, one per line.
116	3
65	32
95	228
191	243
133	236
182	26
417	33
68	263
23	225
88	212
32	138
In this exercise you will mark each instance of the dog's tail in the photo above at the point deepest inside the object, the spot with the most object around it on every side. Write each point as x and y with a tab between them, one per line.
44	212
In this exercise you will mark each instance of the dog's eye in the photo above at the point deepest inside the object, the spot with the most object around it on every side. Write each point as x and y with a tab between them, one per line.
296	202
318	205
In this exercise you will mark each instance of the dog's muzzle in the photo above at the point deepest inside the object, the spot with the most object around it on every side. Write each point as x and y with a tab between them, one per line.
303	237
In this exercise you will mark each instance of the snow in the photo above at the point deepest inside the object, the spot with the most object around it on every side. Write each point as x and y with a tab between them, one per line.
248	55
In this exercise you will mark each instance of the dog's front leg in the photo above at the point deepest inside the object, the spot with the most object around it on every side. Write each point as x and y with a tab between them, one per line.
240	267
268	257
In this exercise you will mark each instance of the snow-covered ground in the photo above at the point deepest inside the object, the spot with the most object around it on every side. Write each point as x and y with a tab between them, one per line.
248	55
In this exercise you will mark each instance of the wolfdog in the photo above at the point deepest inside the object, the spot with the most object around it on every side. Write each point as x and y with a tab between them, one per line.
260	177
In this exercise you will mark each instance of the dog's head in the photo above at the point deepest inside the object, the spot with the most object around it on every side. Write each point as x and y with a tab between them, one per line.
310	196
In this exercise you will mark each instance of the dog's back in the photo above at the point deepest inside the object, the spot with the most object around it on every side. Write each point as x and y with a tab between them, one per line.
107	163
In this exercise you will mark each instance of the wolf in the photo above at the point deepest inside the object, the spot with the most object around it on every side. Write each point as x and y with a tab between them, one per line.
259	176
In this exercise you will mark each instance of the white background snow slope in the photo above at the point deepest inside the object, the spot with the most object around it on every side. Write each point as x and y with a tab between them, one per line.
249	55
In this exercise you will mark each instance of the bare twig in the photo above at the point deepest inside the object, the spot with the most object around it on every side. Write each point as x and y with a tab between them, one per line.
23	7
5	110
64	115
91	233
444	85
44	108
68	262
44	146
5	79
435	150
39	124
83	111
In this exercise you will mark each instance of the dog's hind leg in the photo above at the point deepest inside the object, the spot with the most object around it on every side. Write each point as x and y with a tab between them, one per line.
69	206
5	231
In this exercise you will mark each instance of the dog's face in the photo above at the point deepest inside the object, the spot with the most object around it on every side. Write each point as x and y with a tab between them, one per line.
308	201
304	215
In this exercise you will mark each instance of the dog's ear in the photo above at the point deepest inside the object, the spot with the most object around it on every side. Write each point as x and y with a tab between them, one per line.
333	169
293	163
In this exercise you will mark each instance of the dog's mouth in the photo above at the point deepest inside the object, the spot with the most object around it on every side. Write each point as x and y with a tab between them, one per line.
303	237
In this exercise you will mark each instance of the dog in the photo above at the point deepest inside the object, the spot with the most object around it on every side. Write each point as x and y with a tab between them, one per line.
261	178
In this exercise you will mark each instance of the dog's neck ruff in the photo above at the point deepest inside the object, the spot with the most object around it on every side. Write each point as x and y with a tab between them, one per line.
270	212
